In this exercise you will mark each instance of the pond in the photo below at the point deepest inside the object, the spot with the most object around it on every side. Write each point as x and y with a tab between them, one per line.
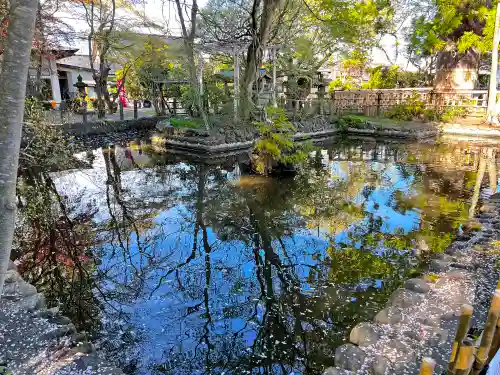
177	267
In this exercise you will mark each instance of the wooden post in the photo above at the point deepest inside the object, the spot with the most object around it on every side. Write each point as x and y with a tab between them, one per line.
236	83
174	104
427	367
135	110
495	344
488	333
462	329
321	99
120	105
84	111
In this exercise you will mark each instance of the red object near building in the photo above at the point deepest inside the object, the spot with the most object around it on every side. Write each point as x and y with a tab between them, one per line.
121	94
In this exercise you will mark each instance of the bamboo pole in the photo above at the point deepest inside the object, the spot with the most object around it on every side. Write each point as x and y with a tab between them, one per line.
495	344
462	329
488	333
465	358
427	367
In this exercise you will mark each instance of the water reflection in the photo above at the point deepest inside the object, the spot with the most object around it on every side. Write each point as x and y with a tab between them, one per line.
185	268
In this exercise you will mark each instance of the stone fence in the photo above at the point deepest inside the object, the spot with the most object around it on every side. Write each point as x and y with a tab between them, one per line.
375	102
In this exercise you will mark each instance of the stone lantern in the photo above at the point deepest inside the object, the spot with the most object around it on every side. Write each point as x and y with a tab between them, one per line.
80	85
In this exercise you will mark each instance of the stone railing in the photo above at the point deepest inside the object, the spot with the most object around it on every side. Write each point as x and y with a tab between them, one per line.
376	102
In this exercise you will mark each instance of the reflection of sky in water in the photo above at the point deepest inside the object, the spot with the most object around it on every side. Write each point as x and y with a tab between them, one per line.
184	314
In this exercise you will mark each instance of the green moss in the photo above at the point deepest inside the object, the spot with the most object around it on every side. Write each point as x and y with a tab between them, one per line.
185	123
432	277
472	226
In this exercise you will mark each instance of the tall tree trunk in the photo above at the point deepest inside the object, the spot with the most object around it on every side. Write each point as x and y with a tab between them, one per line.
491	112
41	48
255	51
456	71
188	38
15	65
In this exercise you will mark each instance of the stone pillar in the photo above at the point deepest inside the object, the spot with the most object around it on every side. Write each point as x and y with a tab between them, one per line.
321	98
54	82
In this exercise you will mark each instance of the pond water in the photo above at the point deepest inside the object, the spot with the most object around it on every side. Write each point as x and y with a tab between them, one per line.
177	267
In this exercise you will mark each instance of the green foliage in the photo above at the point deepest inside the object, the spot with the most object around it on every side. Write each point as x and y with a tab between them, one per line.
346	83
455	26
275	143
415	109
184	123
382	77
453	113
43	145
350	121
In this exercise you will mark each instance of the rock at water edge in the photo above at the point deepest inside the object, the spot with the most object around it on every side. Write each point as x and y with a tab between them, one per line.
349	357
363	334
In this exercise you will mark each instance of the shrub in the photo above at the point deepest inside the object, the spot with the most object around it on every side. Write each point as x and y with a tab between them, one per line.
451	114
414	108
350	121
342	84
275	143
184	123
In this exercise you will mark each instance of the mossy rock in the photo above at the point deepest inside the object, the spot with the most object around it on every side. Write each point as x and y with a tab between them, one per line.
472	226
432	277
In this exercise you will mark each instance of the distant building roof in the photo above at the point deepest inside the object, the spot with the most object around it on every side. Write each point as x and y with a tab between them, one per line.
73	67
79	62
60	53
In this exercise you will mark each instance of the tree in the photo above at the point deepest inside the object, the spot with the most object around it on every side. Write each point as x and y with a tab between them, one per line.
101	18
260	32
13	78
308	32
142	60
492	94
455	35
50	33
188	36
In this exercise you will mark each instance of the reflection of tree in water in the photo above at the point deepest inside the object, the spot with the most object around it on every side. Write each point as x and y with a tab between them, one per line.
262	275
301	310
52	247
